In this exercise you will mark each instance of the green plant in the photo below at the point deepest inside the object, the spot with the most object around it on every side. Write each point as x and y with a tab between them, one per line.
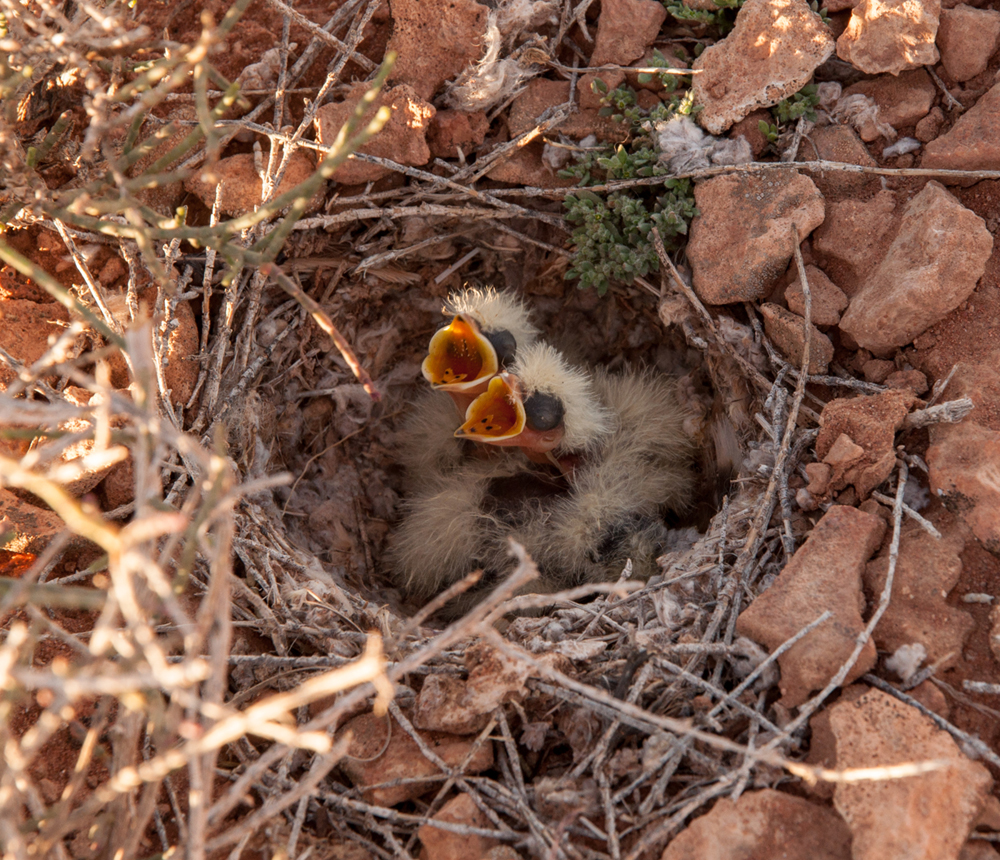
821	11
612	235
667	81
802	103
769	130
723	19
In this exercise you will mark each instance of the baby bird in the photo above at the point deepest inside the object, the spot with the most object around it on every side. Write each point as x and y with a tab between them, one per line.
482	338
611	459
619	441
485	332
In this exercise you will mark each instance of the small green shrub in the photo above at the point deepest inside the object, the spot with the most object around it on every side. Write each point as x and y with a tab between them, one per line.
611	233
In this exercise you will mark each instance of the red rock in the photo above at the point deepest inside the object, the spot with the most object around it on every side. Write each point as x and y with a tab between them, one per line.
450	704
26	329
911	380
855	237
902	101
541	94
741	242
926	571
828	300
839	143
924	817
749	128
891	36
878	370
771	53
824	574
932	266
241	184
526	166
929	127
440	844
371	761
994	635
967	39
819	477
763	824
434	40
31	528
964	465
870	422
403	138
625	29
977	849
451	130
973	143
786	330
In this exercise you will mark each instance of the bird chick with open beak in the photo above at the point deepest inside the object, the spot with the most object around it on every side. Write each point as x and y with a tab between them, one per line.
482	338
619	440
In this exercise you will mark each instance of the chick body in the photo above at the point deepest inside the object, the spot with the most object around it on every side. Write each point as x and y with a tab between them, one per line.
625	462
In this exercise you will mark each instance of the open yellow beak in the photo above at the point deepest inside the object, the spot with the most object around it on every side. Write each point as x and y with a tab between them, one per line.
497	415
460	359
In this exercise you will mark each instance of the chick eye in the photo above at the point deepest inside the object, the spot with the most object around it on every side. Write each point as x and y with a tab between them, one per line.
504	344
543	411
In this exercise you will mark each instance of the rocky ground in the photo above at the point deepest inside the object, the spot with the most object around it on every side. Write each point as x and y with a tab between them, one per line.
865	511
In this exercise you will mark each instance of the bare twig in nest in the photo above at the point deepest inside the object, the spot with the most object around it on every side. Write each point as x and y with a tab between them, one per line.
323	320
951	412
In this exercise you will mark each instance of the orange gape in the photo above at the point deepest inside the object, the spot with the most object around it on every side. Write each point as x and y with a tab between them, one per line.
459	356
495	415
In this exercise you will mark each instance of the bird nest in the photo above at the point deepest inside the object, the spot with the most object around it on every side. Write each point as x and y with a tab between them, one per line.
205	649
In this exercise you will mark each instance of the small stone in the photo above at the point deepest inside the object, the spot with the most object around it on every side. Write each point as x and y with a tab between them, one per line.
786	330
527	166
824	574
625	29
843	452
434	41
931	698
771	53
441	844
828	300
403	138
878	370
451	130
973	143
448	703
855	237
870	422
819	478
923	817
749	128
909	380
929	127
741	242
761	824
372	760
932	266
927	569
241	184
891	36
902	101
967	38
25	330
963	461
839	143
31	528
541	94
